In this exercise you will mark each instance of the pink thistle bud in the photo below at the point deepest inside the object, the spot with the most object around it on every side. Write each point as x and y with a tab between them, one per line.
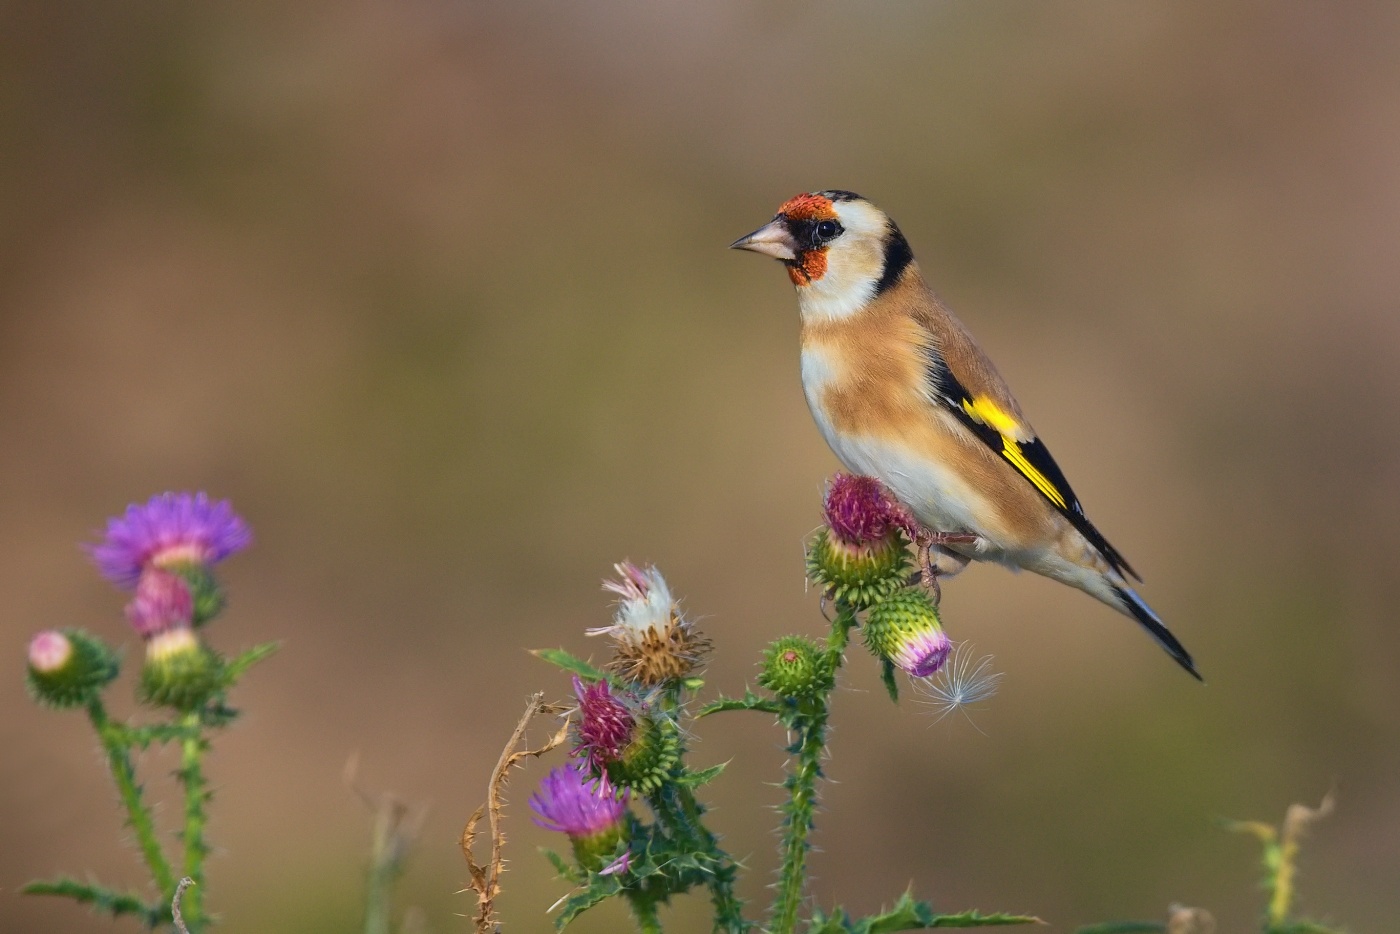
69	668
49	651
163	602
860	556
904	630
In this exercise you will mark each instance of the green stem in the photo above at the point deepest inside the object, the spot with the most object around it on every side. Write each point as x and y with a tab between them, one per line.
644	910
191	774
808	720
839	638
729	910
138	815
678	811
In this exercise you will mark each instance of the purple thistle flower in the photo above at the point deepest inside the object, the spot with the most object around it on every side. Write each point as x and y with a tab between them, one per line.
169	529
860	511
163	602
571	802
606	724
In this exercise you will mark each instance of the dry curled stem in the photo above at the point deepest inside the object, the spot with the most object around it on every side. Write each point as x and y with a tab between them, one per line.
486	879
175	904
1281	850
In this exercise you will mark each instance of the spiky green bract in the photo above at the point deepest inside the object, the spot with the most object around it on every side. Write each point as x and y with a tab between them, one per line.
909	915
858	574
903	630
76	680
795	667
180	672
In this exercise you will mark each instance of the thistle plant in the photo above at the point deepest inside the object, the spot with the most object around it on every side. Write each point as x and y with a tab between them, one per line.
163	552
628	798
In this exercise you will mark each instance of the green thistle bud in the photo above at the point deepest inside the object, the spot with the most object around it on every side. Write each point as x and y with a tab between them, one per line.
69	668
648	760
794	666
904	630
180	671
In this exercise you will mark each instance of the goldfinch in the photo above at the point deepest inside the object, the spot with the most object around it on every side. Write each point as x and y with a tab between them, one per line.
901	392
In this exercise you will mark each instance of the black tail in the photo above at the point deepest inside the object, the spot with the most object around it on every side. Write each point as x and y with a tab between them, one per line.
1144	615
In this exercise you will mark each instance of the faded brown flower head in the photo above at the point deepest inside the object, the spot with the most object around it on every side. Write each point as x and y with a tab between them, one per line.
653	642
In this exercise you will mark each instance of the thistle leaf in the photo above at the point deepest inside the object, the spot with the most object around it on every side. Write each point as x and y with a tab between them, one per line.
910	915
598	890
887	676
102	899
750	701
704	776
570	662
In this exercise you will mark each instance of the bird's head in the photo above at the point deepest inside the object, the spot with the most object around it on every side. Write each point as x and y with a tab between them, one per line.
839	249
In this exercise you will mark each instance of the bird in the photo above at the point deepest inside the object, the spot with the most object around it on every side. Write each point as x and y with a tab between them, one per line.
902	392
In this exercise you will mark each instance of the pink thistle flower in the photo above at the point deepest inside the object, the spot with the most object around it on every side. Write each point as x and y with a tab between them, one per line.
606	726
163	602
861	511
168	530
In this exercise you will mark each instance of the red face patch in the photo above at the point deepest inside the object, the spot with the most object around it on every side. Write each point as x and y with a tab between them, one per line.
809	207
810	267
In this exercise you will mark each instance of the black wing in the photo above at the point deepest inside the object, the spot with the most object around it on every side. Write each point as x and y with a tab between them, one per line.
1031	459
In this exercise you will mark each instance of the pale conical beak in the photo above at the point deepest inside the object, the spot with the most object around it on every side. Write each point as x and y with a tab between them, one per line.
772	239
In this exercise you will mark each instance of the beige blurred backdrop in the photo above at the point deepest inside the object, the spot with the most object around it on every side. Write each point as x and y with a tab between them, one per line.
438	294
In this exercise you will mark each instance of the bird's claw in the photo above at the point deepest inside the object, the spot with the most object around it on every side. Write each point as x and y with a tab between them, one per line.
925	540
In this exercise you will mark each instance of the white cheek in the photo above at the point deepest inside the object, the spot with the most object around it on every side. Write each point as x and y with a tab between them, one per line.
837	294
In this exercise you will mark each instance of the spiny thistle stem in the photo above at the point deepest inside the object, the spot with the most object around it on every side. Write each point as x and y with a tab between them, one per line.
115	740
677	809
807	719
729	910
676	806
644	910
191	775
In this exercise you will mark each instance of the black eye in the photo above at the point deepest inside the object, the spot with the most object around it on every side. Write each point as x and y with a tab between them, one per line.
828	230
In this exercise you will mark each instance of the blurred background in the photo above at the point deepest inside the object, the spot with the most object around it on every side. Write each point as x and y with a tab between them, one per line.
437	293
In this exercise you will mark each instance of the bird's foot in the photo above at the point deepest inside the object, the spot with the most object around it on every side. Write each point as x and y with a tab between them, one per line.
926	540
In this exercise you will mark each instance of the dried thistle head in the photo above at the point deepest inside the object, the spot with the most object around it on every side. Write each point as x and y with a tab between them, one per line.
653	642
